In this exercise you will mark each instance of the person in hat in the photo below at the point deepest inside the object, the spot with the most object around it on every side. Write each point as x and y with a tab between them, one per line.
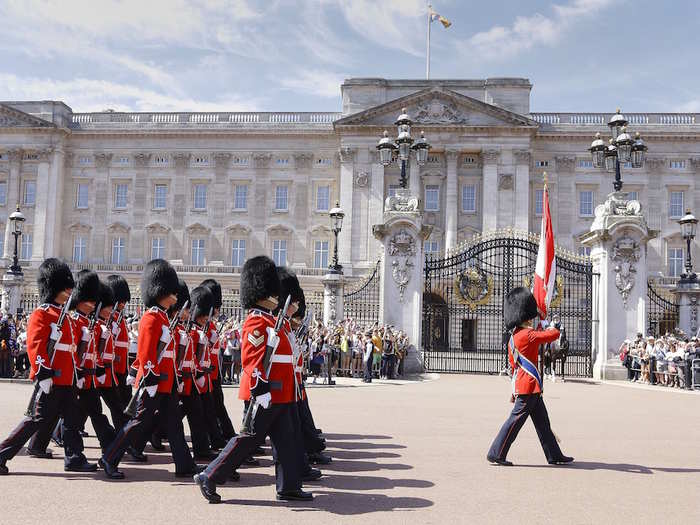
120	335
520	310
54	393
156	377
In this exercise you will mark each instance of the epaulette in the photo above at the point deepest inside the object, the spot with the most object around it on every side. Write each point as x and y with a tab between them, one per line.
44	307
154	309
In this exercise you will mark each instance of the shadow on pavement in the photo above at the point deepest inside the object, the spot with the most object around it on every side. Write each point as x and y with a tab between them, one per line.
358	446
359	454
341	437
615	467
370	483
361	466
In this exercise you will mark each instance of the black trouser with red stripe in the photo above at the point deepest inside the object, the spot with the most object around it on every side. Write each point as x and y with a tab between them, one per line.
526	405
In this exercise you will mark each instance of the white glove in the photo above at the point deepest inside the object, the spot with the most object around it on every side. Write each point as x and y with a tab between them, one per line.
152	390
214	337
105	333
272	338
202	335
101	379
80	382
115	329
86	334
200	382
264	400
165	335
55	332
180	387
130	380
45	385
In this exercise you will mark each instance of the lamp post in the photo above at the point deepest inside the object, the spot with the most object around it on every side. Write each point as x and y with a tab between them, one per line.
17	220
336	215
621	148
688	224
390	150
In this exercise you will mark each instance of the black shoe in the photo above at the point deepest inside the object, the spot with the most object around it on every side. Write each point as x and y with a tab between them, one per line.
319	459
40	454
4	471
259	451
251	462
198	469
207	488
205	456
502	462
81	467
561	461
312	475
83	433
319	431
58	442
157	445
137	456
110	470
295	495
234	476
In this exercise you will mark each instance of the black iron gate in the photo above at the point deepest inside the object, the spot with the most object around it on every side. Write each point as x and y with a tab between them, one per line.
361	302
662	311
463	327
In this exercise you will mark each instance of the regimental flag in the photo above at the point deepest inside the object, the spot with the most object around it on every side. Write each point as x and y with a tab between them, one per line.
546	268
435	16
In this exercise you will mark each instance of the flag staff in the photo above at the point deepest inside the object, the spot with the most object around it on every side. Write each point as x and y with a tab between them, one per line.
427	54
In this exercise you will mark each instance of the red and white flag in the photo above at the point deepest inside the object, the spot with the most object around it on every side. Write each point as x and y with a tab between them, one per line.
546	268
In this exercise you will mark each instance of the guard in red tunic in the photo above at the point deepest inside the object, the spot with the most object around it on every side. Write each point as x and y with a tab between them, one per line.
120	336
274	394
519	311
50	350
156	378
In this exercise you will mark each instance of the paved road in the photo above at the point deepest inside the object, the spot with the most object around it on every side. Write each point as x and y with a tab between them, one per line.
414	452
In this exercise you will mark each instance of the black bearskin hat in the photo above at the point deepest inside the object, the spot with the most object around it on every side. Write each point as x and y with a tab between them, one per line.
215	289
289	285
120	288
54	277
202	301
159	280
183	294
301	312
258	280
106	295
520	306
87	288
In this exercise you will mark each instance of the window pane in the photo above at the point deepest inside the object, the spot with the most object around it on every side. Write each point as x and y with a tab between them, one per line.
82	196
321	254
323	195
586	203
279	252
200	196
539	195
432	198
198	252
160	196
676	204
118	250
120	196
240	201
632	195
392	190
158	248
3	193
584	251
237	252
26	251
79	249
675	262
281	198
431	247
30	193
469	198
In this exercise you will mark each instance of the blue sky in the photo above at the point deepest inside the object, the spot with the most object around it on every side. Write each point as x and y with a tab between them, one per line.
292	55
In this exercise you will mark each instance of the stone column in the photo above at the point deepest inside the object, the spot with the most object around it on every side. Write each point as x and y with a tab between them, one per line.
347	172
12	286
451	200
333	286
658	208
618	240
376	199
688	299
489	191
49	205
13	198
522	189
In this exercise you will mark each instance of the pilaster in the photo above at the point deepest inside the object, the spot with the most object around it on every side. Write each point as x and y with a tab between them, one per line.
489	197
347	171
522	189
451	200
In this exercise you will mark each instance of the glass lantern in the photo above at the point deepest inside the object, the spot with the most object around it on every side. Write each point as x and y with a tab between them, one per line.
639	151
404	142
688	225
403	123
17	219
624	144
386	149
610	157
421	147
336	215
597	150
617	122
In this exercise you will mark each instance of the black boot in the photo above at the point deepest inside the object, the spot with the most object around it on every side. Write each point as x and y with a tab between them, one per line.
110	470
81	467
207	488
295	495
137	456
561	461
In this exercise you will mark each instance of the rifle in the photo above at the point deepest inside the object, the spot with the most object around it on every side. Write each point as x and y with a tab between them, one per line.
181	349
82	345
119	327
50	350
103	340
202	347
130	409
246	427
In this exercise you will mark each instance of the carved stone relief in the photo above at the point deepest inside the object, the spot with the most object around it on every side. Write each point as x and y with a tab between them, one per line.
565	163
625	254
142	159
505	182
181	160
362	179
303	160
103	159
222	159
347	154
262	160
490	156
439	112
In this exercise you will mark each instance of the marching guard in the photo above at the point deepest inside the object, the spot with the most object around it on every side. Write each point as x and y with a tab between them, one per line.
51	340
120	336
520	310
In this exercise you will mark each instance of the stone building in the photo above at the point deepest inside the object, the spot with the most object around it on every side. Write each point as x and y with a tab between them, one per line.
112	190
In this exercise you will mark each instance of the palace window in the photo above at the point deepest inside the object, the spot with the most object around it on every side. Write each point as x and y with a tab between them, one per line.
469	198
120	196
158	248
3	193
431	247
29	193
240	200
79	249
118	250
198	252
281	198
201	160
585	163
84	161
123	161
585	203
323	197
240	161
542	163
675	208
237	252
279	252
432	198
675	262
160	160
469	160
539	202
26	250
392	190
633	195
2	239
200	196
321	254
676	164
584	251
324	161
160	196
284	161
81	196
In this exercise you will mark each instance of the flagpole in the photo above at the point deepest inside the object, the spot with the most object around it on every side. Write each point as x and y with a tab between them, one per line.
427	54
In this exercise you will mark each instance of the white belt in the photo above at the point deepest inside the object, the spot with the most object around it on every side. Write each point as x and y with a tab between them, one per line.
63	347
281	359
108	357
91	357
167	353
188	364
121	344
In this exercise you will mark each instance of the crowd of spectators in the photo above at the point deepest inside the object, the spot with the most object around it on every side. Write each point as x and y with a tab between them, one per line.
671	360
13	346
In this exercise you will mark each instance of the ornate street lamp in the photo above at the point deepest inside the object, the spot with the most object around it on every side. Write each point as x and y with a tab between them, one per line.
390	150
336	215
17	219
688	224
622	148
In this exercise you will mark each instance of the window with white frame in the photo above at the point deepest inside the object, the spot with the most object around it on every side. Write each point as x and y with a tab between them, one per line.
26	250
432	198
81	196
633	195
120	196
585	203
279	252
469	160
198	252
542	163
676	164
200	196
585	163
3	193
123	161
282	161
539	202
281	198
84	161
431	247
79	249
160	160
160	196
323	198
29	192
118	250
391	191
584	251
237	252
158	248
240	197
675	207
469	198
675	262
321	254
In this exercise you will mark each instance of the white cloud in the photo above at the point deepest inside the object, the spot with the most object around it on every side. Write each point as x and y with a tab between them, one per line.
313	82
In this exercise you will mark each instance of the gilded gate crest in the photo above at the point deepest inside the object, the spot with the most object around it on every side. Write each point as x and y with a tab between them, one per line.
473	287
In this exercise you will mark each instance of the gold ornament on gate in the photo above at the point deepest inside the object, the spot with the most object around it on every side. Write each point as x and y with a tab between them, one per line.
473	287
558	294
